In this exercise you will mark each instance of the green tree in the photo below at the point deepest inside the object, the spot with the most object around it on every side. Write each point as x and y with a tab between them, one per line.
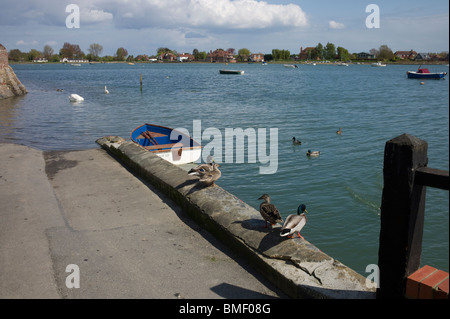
317	52
343	54
33	54
330	51
121	54
385	53
95	50
244	51
48	52
16	55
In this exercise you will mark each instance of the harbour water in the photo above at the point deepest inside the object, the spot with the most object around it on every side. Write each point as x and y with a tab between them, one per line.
341	188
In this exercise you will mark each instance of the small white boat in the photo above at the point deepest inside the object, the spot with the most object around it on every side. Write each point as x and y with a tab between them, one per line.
293	66
378	64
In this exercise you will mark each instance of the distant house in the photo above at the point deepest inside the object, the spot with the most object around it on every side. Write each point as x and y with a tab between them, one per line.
423	57
66	60
220	56
365	55
410	55
167	57
257	57
40	60
305	53
185	57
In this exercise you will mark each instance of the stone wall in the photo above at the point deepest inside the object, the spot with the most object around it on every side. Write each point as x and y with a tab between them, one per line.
9	83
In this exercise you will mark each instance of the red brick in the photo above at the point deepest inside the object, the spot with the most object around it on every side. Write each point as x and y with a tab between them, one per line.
412	282
426	285
441	291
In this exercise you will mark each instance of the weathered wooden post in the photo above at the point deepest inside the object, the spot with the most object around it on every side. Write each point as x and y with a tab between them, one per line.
402	214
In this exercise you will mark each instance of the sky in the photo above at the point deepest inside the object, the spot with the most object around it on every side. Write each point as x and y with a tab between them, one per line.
143	26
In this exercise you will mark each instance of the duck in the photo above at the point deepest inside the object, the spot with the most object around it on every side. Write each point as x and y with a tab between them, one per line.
312	154
208	173
269	212
203	167
106	90
75	98
339	132
294	223
295	141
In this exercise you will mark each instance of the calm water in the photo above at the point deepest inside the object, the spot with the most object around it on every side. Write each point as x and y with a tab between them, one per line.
341	188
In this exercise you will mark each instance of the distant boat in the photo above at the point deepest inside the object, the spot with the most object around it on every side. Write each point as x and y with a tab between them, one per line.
180	149
425	74
378	64
231	72
342	64
293	66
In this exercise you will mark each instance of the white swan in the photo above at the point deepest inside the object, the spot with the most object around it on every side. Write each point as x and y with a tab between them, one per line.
106	90
75	98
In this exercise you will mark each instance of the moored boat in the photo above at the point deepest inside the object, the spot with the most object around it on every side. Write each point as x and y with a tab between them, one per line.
293	66
231	72
378	64
167	143
425	74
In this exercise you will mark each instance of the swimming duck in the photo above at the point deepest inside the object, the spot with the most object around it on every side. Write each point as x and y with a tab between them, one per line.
106	90
208	173
339	132
312	154
75	98
294	223
269	212
295	141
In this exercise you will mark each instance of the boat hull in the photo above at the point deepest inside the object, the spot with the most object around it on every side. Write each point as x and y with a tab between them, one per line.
169	144
415	75
231	72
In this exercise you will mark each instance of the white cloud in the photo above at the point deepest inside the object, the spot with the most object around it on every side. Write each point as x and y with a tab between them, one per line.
25	43
95	16
336	25
229	14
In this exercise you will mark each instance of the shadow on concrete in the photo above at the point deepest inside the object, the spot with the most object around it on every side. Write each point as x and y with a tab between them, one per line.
229	291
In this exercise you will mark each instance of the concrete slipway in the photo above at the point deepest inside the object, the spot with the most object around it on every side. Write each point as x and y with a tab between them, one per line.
130	232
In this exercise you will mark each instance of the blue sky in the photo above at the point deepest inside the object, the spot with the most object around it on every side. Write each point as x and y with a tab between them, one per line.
142	26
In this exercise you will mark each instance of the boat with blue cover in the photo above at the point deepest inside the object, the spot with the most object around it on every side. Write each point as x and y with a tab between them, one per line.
169	144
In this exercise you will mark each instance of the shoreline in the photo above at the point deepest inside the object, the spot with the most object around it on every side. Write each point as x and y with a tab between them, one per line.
365	62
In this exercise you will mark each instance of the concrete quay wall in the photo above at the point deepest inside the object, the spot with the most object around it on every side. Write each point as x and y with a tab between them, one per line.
296	266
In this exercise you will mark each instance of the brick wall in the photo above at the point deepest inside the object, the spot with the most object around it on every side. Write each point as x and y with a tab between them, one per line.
427	283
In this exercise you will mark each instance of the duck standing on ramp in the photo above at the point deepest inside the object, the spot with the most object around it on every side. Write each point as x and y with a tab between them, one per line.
269	212
294	223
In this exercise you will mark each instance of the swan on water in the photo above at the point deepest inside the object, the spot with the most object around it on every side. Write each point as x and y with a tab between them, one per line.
75	98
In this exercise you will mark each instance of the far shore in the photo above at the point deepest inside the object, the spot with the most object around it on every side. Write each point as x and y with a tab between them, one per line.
365	62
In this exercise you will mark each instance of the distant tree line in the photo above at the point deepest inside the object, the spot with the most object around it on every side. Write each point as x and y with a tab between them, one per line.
73	51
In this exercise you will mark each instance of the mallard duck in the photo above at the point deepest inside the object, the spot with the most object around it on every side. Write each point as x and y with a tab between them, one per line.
312	154
208	173
339	132
269	212
295	141
294	223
